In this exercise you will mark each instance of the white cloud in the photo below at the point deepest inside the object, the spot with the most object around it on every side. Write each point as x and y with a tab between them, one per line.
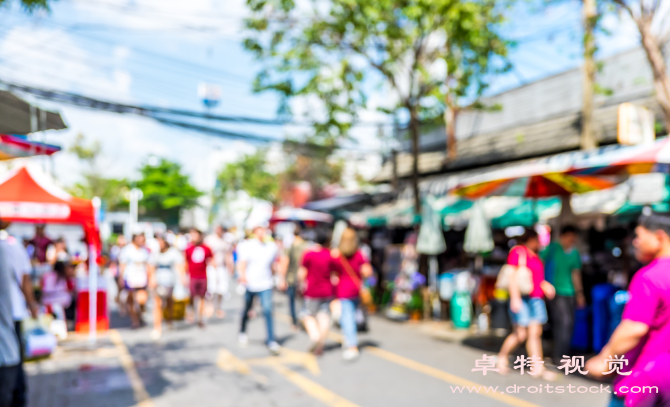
52	59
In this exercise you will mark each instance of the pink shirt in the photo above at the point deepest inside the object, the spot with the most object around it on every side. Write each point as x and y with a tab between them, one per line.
349	287
534	263
650	304
318	268
655	373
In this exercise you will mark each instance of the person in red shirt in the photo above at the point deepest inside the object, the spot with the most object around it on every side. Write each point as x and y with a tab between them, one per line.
198	257
314	275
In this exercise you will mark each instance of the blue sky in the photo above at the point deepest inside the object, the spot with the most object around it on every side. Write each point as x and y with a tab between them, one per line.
156	52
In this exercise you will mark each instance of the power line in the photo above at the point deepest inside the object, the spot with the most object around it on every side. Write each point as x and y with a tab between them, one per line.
158	114
86	101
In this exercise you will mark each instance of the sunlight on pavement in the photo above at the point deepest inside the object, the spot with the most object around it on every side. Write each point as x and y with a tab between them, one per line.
141	395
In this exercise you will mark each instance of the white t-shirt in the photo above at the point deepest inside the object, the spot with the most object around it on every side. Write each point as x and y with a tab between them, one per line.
166	266
137	261
259	258
19	261
220	246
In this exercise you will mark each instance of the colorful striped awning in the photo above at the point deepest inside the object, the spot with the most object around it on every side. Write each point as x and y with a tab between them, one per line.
18	146
565	174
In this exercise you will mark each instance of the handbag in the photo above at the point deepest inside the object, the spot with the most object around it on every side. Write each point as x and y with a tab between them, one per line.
366	297
524	276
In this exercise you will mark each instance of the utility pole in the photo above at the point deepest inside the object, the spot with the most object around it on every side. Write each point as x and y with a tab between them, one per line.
590	13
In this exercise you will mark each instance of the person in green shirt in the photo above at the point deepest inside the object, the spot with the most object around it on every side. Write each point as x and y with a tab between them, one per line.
289	264
563	269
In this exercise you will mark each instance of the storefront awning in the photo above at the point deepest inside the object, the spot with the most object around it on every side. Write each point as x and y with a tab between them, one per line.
565	174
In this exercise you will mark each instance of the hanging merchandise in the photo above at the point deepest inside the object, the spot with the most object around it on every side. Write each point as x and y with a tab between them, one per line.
431	239
478	237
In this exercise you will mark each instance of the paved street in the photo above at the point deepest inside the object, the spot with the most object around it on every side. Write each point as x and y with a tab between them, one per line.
401	365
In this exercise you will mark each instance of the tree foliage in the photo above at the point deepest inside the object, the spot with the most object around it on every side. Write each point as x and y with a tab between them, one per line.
248	174
110	190
30	5
166	191
427	53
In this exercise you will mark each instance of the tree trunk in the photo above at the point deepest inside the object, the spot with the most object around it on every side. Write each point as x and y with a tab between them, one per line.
414	131
658	67
450	120
588	140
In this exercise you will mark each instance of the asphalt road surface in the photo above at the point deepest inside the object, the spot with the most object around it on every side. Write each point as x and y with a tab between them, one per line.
400	365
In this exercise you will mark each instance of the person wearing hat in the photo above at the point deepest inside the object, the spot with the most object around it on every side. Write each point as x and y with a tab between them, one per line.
256	262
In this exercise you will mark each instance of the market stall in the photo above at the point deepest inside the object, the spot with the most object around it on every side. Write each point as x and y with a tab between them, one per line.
606	254
28	195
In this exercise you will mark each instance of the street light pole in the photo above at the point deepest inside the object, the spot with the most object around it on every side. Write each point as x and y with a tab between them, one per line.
133	196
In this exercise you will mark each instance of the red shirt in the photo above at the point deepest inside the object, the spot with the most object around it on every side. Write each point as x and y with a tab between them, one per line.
196	260
318	268
349	287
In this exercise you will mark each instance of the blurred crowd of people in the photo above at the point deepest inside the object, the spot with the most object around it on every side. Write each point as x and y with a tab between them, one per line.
167	268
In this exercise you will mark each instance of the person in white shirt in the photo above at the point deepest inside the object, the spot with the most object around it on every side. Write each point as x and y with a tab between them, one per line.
169	263
221	243
256	260
136	267
22	299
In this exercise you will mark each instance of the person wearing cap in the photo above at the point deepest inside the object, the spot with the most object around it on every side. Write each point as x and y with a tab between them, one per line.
256	261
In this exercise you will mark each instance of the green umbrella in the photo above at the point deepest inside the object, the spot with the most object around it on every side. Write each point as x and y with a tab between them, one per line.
529	212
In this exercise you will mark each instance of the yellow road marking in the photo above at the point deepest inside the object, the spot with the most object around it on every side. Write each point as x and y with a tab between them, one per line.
141	395
444	376
228	362
427	370
312	388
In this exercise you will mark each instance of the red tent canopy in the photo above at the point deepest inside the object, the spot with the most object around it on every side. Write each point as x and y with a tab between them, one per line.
30	196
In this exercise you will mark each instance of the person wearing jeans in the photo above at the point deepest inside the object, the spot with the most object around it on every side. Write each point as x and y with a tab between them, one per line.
350	267
348	322
257	258
266	305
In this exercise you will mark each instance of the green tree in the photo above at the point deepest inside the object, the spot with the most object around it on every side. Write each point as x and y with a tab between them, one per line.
166	191
427	52
110	190
248	174
30	5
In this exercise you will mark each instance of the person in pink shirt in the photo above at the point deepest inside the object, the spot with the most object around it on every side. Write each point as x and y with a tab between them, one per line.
644	332
654	376
528	312
351	267
314	275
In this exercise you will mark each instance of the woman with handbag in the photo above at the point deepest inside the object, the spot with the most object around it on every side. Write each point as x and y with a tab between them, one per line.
350	267
523	278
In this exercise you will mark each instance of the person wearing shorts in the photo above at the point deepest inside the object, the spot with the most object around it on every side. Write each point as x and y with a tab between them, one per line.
221	242
315	274
136	268
532	311
169	266
528	313
198	257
